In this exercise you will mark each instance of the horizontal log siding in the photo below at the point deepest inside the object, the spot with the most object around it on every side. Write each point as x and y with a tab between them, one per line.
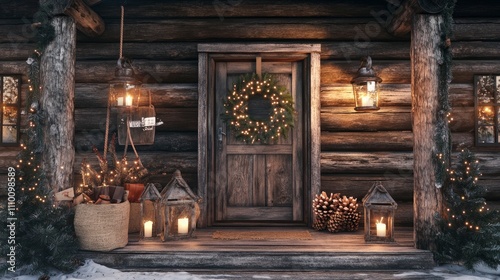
255	8
361	148
357	148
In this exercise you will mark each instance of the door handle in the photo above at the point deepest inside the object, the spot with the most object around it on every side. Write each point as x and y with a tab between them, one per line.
220	137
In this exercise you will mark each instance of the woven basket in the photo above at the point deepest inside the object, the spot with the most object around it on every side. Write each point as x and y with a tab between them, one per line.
102	227
134	223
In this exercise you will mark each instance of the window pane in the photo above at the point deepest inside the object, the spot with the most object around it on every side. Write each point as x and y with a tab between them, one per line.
9	115
486	115
498	124
9	134
10	90
485	134
485	88
497	91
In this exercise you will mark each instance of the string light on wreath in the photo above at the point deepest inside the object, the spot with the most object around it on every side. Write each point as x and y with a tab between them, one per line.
259	110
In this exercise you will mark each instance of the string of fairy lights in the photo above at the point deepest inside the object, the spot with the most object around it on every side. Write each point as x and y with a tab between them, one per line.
242	123
121	172
466	216
29	162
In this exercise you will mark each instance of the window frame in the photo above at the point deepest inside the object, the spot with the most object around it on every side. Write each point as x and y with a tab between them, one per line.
16	106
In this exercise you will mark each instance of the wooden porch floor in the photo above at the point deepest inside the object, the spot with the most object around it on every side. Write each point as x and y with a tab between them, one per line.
325	251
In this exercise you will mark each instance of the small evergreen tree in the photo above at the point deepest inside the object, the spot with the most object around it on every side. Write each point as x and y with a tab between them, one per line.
44	233
470	231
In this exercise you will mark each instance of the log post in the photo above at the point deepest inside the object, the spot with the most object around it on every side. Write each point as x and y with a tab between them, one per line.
425	58
57	96
87	21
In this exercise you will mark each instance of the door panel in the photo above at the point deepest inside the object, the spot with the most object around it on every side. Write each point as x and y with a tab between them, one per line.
239	180
258	182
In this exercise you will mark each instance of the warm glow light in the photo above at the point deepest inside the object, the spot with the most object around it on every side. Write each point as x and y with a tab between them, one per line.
148	229
128	100
183	226
381	228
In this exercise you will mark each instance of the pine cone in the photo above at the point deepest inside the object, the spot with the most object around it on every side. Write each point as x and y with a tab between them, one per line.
346	217
352	221
320	223
324	205
336	222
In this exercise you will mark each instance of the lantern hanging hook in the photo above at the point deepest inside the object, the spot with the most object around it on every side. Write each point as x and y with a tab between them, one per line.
366	62
121	30
365	69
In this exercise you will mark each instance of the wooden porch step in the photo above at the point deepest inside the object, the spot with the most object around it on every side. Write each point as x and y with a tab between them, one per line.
326	251
255	261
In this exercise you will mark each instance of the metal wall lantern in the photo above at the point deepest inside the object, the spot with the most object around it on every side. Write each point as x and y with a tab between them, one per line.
379	209
151	225
365	87
124	89
180	209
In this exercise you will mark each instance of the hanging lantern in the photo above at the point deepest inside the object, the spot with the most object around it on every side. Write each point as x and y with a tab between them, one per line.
379	214
150	212
180	209
365	87
124	89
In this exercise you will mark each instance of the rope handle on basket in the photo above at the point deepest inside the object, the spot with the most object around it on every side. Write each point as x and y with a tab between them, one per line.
129	138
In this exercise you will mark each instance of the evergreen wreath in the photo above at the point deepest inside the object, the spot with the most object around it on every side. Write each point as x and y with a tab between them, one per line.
246	126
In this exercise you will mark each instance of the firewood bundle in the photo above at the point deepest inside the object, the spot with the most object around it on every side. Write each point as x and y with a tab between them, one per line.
335	213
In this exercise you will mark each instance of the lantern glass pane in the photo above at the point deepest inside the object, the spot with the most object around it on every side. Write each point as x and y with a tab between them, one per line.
124	94
366	94
150	221
380	221
179	217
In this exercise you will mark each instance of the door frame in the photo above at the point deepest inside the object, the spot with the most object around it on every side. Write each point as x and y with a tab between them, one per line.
207	53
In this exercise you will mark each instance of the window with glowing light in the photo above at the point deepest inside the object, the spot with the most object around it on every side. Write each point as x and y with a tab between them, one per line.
487	109
10	91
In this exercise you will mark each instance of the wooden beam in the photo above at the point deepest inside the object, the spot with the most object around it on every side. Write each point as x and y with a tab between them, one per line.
400	23
92	2
57	95
87	21
425	57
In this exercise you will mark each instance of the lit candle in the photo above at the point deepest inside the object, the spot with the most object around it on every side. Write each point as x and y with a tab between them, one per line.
366	101
370	86
182	225
381	228
119	101
128	100
148	229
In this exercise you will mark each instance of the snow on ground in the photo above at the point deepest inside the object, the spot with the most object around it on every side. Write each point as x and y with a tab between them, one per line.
94	271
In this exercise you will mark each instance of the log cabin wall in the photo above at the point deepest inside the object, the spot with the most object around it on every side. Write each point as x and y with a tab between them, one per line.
357	148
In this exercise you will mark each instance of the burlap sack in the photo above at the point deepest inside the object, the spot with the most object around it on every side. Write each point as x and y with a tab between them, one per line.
102	227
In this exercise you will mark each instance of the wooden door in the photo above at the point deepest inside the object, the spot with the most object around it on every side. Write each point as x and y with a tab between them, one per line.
259	182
